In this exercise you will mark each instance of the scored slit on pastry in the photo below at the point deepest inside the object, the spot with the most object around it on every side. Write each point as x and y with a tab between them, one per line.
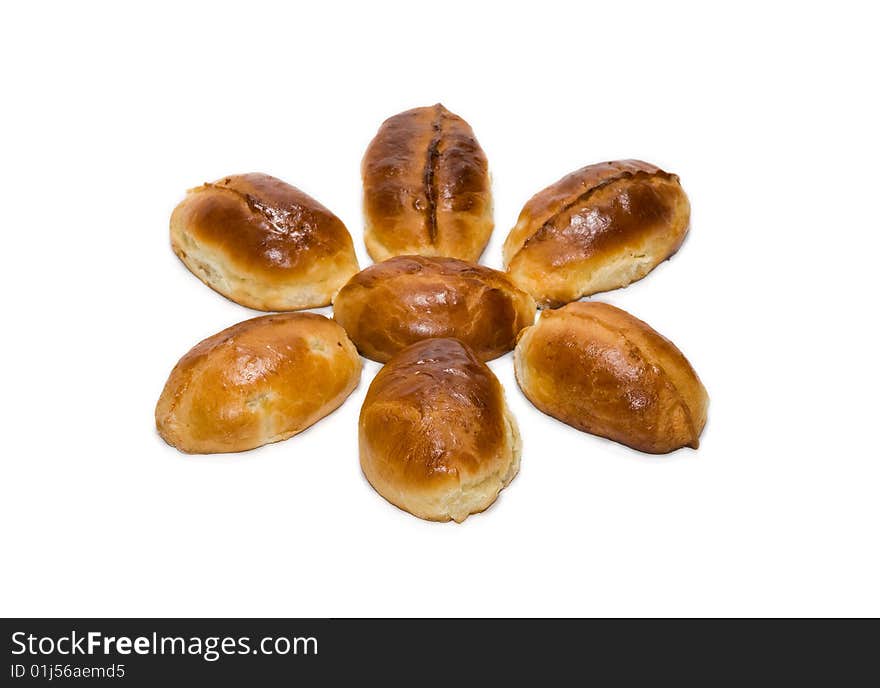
430	173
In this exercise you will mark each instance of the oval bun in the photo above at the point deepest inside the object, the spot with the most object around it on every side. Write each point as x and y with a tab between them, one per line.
403	300
436	436
262	243
426	187
596	229
602	371
260	381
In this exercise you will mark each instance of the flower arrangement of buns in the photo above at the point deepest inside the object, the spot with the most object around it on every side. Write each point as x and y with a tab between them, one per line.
436	436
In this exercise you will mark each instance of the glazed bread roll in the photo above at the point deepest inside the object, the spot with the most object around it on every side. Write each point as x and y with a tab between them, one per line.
601	370
436	436
599	228
262	243
405	299
426	187
260	381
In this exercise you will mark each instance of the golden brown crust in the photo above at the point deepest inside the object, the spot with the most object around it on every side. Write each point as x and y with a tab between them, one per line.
260	381
599	228
263	243
426	187
405	299
436	437
605	372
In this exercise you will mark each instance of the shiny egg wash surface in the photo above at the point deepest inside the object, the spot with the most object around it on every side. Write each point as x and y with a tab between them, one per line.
603	371
402	300
281	229
601	227
426	187
436	436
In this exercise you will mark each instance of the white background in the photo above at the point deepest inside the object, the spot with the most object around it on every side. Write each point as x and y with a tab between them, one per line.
768	113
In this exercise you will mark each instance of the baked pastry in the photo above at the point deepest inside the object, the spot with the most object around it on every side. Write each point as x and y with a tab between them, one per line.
426	187
436	436
260	381
262	243
599	228
602	371
392	304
